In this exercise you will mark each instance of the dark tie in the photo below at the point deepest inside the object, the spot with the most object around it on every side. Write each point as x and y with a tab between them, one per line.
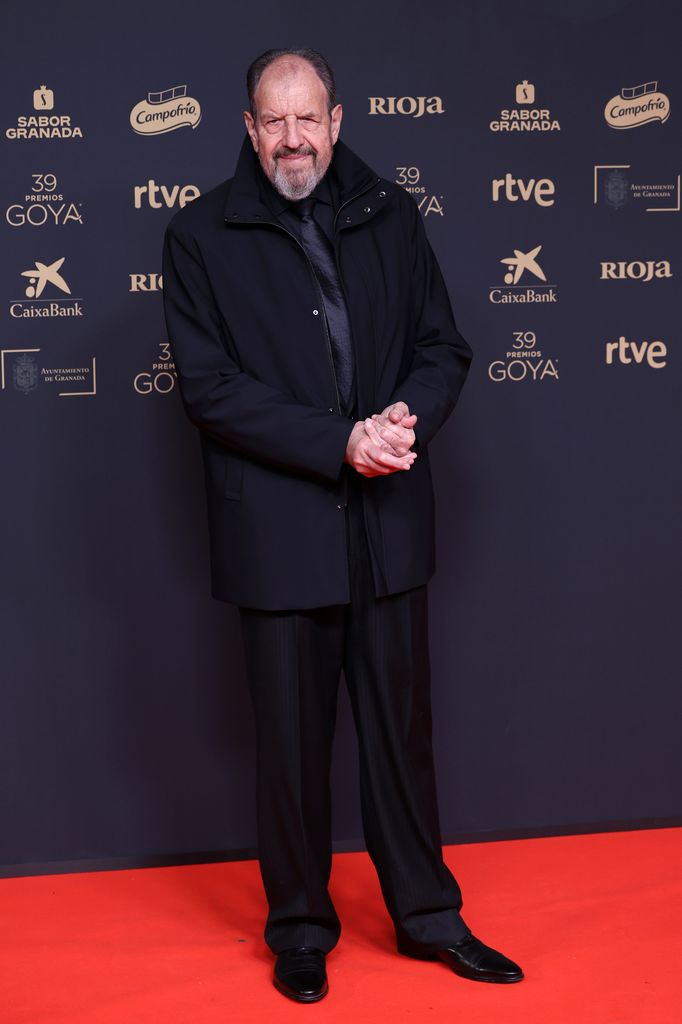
321	255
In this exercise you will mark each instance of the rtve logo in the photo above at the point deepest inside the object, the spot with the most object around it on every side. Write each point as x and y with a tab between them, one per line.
149	193
655	352
637	270
408	106
514	189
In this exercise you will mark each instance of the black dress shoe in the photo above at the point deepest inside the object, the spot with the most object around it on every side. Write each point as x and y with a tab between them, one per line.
471	958
300	974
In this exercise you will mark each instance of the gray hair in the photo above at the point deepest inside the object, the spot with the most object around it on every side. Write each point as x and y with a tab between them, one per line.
315	59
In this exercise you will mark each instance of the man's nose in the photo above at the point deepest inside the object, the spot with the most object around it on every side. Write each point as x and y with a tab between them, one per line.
292	134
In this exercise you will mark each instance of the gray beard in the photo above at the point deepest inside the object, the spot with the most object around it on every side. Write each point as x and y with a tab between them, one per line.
302	187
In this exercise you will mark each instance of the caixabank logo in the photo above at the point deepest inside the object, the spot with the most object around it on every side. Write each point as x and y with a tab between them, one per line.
522	268
44	203
44	288
526	116
165	111
637	105
46	124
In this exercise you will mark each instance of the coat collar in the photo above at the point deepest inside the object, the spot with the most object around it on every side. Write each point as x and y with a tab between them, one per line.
245	202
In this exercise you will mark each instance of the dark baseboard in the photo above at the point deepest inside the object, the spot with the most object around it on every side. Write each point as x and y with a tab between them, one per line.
340	846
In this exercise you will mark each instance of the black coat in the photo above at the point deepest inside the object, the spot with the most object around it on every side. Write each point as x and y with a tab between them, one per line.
256	376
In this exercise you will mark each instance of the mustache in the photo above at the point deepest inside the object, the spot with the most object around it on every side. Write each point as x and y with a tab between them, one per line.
301	151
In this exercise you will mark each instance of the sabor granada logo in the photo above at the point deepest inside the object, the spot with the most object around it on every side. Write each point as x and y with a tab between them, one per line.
165	111
43	125
637	105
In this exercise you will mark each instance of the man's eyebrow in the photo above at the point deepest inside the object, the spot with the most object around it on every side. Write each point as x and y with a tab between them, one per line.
271	113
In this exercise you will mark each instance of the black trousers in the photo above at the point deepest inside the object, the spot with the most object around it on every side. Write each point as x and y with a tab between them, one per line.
294	661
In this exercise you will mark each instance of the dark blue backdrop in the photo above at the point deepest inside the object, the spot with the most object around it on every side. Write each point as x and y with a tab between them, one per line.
126	734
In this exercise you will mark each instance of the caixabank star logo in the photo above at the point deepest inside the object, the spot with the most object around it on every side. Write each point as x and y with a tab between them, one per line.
44	286
522	267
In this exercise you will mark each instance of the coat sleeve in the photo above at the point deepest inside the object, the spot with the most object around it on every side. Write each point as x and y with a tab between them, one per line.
247	415
441	356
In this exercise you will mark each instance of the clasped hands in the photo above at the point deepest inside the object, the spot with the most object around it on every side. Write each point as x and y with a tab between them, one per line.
381	444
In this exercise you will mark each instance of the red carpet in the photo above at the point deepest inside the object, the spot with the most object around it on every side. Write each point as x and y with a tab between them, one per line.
593	920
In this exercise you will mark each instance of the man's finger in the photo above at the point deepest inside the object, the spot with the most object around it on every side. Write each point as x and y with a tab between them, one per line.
383	458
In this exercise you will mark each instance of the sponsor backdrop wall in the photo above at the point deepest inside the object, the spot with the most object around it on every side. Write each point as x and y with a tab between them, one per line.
542	144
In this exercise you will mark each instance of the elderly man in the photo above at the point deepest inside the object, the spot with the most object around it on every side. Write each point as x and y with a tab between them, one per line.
318	356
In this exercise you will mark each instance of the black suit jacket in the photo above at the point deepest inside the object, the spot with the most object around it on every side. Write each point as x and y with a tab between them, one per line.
255	373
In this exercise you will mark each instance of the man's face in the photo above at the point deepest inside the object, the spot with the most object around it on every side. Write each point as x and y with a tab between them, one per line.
293	132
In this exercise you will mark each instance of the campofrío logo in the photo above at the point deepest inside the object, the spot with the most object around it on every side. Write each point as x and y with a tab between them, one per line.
637	105
165	111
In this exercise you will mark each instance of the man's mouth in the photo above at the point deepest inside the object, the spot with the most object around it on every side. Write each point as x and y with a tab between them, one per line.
293	156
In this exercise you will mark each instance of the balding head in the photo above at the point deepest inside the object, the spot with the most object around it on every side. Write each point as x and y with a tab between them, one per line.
291	126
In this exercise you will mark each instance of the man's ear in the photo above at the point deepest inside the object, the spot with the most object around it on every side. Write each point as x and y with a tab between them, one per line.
335	117
251	129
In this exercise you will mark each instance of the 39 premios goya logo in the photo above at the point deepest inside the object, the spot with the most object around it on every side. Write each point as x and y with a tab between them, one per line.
526	116
44	286
637	105
522	269
427	201
524	361
161	377
44	203
165	111
46	124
